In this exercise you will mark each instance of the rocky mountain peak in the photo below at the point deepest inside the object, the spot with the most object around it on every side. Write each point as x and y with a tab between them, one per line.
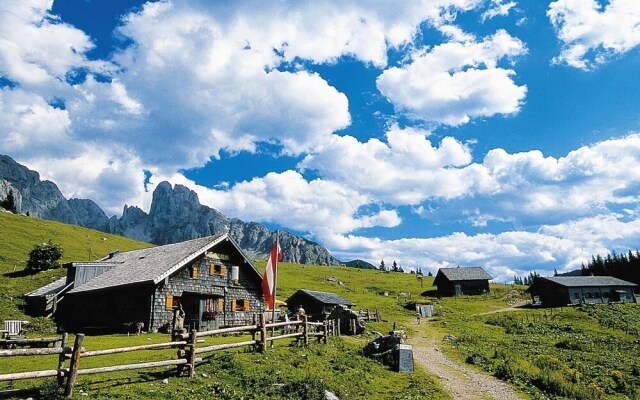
175	215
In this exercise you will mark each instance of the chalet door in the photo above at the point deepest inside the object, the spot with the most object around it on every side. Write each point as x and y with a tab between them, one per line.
209	313
458	289
191	306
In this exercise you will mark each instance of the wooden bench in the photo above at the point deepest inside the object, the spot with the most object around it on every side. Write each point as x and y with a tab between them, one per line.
13	328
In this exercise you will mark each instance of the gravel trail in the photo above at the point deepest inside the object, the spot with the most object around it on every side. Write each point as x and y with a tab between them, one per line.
461	381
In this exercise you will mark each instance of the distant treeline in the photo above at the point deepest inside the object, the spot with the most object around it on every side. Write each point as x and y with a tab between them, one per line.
622	266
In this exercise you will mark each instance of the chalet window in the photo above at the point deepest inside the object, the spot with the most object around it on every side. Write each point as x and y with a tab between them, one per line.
576	295
240	305
194	272
216	269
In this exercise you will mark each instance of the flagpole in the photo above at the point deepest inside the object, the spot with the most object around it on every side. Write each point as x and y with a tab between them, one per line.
275	286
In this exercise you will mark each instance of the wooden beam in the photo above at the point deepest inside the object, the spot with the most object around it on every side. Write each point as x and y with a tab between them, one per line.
217	347
133	348
28	375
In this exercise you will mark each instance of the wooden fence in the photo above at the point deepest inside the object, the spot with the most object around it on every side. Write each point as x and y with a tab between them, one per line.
370	315
187	355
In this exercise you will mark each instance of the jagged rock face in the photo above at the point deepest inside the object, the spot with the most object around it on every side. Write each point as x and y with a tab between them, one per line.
6	189
40	199
89	214
175	215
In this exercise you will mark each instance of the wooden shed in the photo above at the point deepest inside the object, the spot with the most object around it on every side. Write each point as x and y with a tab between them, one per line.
209	278
42	302
460	281
560	291
316	304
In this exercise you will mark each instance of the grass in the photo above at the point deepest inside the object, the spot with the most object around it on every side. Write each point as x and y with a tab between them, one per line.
19	234
279	373
587	352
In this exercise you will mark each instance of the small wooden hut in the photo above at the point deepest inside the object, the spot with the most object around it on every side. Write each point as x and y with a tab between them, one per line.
316	304
558	291
462	281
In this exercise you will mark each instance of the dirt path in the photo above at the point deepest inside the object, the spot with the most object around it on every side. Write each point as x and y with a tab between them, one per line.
461	381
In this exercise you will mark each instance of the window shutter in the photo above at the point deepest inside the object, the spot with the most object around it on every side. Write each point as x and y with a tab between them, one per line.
222	270
246	305
212	269
194	272
220	305
169	302
233	305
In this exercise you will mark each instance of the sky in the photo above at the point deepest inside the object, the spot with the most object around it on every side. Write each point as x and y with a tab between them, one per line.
436	133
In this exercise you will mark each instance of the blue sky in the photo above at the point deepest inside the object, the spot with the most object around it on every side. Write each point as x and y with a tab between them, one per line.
435	133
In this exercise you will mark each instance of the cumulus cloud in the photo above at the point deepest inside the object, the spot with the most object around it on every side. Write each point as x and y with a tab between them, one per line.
498	8
407	169
592	33
529	189
456	81
503	255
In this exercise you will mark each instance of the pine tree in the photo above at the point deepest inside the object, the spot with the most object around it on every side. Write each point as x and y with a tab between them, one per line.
382	267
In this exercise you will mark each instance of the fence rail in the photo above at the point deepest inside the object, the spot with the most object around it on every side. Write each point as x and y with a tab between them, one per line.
187	353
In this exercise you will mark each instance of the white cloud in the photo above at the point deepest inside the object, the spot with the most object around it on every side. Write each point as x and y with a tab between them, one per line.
498	8
528	189
592	33
406	170
454	82
502	255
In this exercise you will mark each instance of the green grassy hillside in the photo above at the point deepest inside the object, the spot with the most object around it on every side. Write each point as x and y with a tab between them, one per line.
19	234
586	352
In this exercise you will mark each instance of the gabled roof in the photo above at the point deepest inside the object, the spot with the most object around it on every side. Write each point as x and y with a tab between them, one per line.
151	265
462	274
51	288
323	297
587	281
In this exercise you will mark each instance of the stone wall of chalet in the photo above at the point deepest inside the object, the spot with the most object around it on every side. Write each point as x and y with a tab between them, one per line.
208	281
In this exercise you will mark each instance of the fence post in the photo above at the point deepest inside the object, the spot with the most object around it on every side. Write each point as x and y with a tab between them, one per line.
305	330
73	367
326	332
254	332
338	326
192	353
263	333
61	358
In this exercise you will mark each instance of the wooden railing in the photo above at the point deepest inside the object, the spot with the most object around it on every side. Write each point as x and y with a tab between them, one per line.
187	354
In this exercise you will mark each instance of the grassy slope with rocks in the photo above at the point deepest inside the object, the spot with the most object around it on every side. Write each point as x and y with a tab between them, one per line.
588	352
282	372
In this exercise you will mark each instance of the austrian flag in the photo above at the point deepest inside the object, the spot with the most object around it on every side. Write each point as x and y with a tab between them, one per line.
269	277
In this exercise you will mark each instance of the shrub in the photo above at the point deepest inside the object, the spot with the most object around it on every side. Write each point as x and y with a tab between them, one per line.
44	257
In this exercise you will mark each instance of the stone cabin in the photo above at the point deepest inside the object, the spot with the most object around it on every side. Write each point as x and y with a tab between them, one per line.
558	291
316	304
210	278
462	281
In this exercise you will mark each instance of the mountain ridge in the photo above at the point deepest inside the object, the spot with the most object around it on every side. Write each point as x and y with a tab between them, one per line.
175	215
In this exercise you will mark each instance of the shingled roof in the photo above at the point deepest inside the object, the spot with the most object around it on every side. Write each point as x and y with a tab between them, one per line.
151	265
588	281
325	297
464	274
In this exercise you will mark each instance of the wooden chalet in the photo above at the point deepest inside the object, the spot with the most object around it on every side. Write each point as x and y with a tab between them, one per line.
209	278
460	281
558	291
316	304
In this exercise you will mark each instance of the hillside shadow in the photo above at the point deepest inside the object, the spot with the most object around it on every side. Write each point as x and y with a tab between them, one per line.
430	293
17	274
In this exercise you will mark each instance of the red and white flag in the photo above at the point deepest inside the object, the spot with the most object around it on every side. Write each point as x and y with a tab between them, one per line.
269	277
